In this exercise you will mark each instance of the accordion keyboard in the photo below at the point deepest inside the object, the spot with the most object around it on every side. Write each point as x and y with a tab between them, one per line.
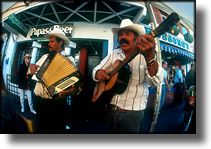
62	86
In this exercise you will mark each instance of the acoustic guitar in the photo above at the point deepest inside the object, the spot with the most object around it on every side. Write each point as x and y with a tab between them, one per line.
120	71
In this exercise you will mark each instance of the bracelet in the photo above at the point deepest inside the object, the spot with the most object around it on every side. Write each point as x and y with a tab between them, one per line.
152	61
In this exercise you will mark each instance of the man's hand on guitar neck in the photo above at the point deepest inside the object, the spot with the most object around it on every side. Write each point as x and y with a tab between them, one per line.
102	75
146	45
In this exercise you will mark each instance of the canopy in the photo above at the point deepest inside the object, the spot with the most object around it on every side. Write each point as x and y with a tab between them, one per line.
172	53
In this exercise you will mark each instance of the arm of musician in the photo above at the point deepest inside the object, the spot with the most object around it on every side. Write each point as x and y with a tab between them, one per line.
33	69
146	45
67	91
105	63
156	79
38	64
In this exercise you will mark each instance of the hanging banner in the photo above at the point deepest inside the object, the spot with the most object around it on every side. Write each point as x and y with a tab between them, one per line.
15	23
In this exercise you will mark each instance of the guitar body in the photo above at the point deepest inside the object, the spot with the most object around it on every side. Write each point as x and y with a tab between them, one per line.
122	80
116	85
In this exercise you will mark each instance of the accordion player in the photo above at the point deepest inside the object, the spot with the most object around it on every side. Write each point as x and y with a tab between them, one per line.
57	73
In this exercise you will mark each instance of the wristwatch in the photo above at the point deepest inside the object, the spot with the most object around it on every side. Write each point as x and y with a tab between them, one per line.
152	60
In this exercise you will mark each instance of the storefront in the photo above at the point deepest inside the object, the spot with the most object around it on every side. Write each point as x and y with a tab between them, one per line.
88	25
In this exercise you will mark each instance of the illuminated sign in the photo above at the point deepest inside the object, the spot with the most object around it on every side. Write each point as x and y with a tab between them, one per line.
40	32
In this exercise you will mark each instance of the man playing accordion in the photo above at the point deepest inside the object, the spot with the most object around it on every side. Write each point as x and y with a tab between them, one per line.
51	109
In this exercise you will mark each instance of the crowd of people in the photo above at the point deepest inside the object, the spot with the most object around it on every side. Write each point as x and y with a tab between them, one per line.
124	112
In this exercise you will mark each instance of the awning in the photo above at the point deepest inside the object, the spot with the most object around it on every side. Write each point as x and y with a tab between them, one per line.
173	53
175	50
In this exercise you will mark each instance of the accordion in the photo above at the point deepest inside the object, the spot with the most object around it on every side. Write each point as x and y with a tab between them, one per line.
58	73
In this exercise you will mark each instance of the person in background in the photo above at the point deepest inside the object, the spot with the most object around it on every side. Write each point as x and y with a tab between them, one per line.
10	121
178	86
51	110
125	112
25	83
189	123
190	77
191	111
165	85
183	74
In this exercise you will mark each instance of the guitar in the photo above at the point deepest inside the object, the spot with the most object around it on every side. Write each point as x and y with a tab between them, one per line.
118	83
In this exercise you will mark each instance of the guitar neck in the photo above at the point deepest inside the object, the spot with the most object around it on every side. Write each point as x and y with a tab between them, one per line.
124	62
165	26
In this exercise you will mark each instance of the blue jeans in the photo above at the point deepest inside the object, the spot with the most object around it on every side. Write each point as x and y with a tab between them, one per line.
123	121
163	96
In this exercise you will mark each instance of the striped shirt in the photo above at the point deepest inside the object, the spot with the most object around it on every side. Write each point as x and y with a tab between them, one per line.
136	95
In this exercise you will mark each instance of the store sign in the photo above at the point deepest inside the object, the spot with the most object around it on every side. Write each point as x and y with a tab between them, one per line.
40	32
15	23
173	40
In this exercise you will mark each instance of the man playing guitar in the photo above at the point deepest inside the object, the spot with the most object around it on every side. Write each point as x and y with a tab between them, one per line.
125	111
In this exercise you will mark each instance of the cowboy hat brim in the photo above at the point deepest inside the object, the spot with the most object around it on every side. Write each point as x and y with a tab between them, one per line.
134	27
59	35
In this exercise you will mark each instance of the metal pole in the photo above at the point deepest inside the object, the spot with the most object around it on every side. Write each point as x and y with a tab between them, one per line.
159	59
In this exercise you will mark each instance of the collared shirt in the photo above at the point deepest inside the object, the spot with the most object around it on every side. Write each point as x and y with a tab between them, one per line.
40	89
136	94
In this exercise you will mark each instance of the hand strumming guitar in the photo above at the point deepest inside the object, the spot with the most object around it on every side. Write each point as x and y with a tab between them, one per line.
146	45
102	75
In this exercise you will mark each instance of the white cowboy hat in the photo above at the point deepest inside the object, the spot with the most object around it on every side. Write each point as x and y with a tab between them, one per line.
127	24
59	33
27	55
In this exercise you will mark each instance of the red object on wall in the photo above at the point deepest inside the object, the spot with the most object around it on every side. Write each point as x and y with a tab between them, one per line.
157	14
83	63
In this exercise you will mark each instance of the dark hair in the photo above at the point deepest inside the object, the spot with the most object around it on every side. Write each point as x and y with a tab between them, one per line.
164	62
135	33
58	40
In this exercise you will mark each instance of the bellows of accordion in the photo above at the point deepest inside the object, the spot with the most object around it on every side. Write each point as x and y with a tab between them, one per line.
57	73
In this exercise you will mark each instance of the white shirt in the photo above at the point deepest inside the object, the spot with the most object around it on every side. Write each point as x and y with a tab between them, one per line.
136	95
40	89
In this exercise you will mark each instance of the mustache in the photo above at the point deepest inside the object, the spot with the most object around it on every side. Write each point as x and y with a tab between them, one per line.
123	41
